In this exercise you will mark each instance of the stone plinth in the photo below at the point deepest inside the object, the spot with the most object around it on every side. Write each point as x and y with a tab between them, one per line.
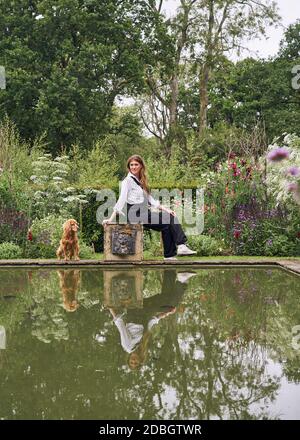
123	242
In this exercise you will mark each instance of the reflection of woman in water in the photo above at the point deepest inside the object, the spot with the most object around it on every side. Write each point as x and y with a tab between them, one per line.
135	326
135	338
2	342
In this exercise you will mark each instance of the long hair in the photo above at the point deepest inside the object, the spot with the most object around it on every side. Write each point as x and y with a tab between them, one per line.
140	353
143	172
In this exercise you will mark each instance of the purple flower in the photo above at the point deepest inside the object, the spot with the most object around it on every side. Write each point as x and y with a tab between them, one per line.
269	242
278	154
294	171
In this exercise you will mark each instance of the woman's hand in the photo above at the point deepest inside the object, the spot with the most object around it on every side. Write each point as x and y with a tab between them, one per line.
110	219
106	221
169	211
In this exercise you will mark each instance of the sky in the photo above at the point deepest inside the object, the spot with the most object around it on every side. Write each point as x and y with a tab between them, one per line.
289	11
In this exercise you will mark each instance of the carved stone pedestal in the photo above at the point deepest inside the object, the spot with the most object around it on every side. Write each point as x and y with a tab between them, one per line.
123	242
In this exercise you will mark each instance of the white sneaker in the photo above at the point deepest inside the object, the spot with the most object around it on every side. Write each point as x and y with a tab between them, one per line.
183	277
182	249
170	258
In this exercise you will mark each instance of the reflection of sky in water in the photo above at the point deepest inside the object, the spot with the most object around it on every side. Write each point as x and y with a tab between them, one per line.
287	403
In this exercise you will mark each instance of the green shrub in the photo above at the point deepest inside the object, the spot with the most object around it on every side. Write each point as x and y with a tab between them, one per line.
205	245
46	234
281	246
152	243
10	251
85	251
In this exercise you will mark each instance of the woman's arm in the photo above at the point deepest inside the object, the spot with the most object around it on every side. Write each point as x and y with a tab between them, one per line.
156	204
120	203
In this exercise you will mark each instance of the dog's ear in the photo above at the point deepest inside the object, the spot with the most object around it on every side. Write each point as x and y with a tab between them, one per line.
67	226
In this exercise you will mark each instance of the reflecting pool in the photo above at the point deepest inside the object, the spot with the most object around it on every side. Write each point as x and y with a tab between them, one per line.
209	343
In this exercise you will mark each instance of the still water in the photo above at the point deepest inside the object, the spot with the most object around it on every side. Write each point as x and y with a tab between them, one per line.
211	343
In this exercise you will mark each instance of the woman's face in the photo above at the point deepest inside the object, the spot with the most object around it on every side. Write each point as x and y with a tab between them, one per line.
135	167
134	361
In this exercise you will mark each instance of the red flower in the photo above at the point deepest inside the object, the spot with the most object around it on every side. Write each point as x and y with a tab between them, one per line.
237	234
29	235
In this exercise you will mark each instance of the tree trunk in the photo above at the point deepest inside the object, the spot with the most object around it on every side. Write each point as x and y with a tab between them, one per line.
174	101
203	94
205	69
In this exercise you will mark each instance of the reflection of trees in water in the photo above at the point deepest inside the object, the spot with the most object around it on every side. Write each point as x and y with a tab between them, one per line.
216	354
206	379
205	361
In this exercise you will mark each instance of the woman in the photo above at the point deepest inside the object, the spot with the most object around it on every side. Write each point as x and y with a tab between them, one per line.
135	197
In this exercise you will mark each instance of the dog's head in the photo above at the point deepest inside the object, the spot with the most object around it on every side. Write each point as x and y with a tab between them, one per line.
70	225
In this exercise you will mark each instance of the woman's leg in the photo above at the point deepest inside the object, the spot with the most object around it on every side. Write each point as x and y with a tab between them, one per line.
170	249
177	231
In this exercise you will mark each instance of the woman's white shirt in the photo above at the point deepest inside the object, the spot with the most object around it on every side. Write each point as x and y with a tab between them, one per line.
132	193
131	334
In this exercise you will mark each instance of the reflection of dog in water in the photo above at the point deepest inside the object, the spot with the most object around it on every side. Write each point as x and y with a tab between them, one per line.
69	281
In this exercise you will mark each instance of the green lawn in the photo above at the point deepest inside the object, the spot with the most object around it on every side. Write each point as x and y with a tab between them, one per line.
148	256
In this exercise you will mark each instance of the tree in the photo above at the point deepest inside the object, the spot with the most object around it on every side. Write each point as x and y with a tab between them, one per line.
66	61
290	44
220	26
159	108
202	32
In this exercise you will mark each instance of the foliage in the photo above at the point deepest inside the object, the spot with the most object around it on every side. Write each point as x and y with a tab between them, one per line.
10	251
152	243
97	168
13	224
205	245
67	61
278	176
50	190
85	251
282	245
15	166
241	211
46	234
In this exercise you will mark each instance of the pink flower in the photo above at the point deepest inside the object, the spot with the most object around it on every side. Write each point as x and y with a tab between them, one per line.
278	155
292	187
